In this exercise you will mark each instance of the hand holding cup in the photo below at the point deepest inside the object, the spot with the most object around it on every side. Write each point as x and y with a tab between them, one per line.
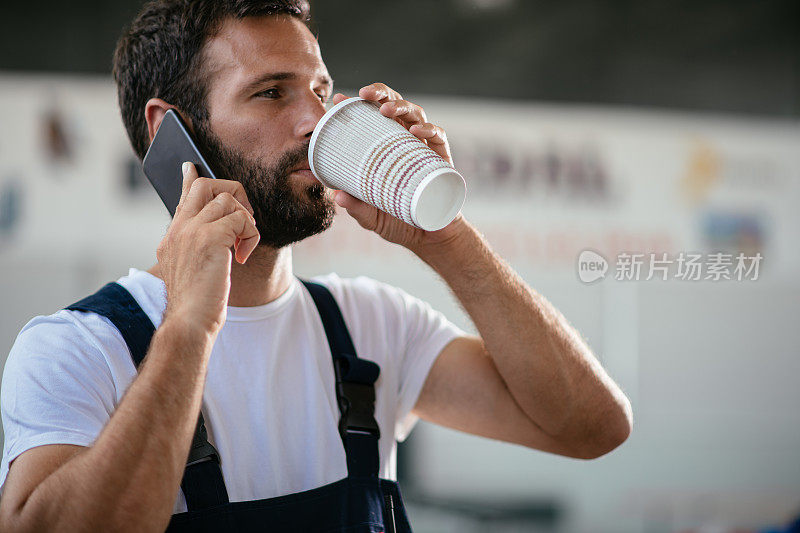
381	150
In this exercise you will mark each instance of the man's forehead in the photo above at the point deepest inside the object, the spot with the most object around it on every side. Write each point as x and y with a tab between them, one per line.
247	47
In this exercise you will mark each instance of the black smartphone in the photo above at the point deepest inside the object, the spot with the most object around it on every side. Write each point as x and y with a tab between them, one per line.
172	145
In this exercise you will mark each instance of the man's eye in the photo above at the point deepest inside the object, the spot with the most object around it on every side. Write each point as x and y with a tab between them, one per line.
269	93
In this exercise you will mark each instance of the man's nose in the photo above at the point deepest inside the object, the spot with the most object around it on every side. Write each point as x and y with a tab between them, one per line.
312	109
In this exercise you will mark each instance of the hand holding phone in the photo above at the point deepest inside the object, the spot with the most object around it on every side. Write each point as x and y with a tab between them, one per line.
194	256
171	147
215	215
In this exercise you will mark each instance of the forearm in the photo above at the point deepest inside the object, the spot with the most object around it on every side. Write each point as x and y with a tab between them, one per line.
546	365
128	479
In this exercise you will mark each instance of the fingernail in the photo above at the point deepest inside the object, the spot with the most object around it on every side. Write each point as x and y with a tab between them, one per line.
185	167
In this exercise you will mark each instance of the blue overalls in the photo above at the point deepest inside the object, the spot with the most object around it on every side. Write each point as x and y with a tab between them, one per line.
360	502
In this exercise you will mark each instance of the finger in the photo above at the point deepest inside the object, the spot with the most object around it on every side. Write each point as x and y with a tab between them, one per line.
203	190
338	97
379	92
240	232
235	230
405	111
366	215
434	136
221	205
189	175
429	132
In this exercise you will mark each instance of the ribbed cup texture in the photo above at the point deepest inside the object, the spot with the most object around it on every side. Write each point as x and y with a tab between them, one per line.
374	158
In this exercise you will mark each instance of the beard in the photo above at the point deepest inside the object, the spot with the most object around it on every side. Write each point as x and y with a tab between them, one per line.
282	215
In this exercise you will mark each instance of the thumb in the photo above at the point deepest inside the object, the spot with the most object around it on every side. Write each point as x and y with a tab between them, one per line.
366	215
339	97
189	173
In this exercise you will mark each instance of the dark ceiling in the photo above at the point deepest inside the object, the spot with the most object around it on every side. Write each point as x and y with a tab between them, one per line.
730	56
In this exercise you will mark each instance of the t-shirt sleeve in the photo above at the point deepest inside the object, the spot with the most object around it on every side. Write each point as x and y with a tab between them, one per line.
426	333
57	388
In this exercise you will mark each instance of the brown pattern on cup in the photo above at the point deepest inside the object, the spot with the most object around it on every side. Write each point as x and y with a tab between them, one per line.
411	170
374	161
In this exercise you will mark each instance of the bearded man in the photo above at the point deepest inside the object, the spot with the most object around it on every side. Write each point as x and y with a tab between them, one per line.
216	391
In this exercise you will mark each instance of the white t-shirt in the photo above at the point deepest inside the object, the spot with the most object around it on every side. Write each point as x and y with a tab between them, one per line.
269	402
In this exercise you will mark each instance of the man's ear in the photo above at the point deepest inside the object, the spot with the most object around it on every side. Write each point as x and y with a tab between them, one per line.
154	111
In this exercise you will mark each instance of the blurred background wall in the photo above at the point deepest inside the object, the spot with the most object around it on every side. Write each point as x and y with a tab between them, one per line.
625	127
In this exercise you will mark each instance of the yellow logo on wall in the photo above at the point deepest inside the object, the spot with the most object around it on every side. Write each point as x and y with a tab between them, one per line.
703	171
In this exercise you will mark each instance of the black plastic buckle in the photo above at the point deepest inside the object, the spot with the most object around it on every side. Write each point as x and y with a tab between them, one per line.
201	449
203	452
355	391
357	403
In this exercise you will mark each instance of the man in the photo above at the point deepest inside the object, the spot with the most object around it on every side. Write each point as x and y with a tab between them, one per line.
92	445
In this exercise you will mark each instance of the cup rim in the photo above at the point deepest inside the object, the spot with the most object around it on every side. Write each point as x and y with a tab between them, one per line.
321	124
454	209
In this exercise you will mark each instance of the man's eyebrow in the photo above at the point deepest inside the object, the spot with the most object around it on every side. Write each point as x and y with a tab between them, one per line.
279	76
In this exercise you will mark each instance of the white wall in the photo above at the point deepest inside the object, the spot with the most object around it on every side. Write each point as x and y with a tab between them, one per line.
709	366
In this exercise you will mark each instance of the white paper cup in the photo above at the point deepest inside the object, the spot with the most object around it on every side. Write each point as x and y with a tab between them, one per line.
356	149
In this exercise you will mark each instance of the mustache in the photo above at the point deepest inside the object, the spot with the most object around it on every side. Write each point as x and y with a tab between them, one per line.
292	158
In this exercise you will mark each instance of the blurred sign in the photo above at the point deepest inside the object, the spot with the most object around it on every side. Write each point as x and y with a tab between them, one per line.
541	172
544	182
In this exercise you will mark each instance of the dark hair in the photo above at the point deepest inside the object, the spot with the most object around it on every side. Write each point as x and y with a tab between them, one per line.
159	55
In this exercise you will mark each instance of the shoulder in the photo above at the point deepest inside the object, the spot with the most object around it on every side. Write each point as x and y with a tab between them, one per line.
69	337
60	331
76	346
60	346
375	305
385	309
364	291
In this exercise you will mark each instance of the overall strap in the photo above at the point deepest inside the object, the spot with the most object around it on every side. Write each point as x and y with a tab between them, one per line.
116	304
202	482
355	388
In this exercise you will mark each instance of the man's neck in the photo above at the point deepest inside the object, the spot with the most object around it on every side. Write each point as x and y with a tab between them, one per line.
265	276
